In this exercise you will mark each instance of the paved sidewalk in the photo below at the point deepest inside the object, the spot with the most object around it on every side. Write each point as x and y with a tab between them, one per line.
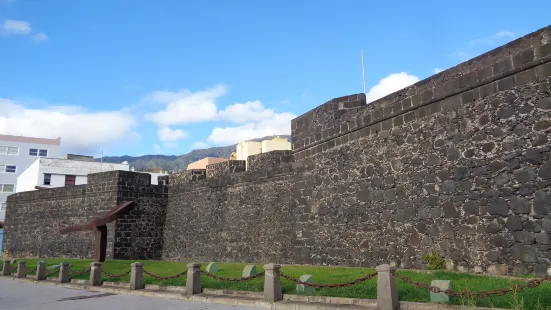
22	296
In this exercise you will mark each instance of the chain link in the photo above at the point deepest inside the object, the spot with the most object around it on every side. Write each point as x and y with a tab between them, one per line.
115	276
213	276
75	272
468	294
181	274
54	271
31	271
338	285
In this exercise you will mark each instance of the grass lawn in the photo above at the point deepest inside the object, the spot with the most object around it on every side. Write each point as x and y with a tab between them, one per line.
534	299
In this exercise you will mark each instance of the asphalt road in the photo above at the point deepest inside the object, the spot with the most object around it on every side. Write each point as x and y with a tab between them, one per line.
23	296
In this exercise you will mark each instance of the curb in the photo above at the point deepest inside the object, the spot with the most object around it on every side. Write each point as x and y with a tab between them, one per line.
240	298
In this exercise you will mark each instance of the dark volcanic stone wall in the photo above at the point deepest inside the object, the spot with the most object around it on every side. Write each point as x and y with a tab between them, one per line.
246	216
458	162
139	234
33	219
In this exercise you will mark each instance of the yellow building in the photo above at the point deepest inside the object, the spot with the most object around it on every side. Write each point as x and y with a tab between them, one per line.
248	148
202	164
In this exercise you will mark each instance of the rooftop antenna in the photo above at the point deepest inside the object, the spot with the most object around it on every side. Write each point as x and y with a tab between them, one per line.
363	71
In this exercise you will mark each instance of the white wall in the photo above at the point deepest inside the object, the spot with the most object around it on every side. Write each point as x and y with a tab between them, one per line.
22	161
59	168
27	180
154	176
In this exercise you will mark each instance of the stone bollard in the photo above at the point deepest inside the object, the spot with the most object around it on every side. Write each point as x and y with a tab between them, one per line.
193	281
41	271
136	277
95	274
272	283
387	294
6	271
21	269
64	273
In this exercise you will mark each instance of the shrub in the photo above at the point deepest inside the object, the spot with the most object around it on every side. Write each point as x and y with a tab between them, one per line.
435	261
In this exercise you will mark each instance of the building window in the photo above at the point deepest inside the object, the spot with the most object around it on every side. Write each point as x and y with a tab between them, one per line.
8	169
7	188
9	150
47	179
38	152
70	179
3	207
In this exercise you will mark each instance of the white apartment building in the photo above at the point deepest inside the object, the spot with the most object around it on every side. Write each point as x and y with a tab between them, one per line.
59	172
17	153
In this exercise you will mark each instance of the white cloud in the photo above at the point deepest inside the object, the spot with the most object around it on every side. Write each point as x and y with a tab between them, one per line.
40	37
437	70
15	27
166	134
79	129
200	145
246	112
278	124
390	84
184	107
157	149
492	39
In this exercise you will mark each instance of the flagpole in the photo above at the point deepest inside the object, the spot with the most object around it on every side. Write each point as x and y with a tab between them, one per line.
363	71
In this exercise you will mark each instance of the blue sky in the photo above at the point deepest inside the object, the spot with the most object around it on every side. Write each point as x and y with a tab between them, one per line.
141	77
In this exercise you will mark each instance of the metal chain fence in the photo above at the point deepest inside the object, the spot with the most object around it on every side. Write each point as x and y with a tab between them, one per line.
338	285
75	272
31	271
215	277
181	274
517	288
52	272
115	276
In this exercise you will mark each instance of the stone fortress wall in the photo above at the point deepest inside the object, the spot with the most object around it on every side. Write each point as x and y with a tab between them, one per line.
458	162
35	218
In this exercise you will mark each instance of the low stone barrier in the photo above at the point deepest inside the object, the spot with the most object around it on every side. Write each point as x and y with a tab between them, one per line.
387	297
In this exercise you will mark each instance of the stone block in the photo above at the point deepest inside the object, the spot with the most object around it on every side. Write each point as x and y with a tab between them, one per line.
450	264
540	270
21	269
212	267
41	271
136	276
6	270
497	270
301	288
440	297
248	271
272	283
193	280
95	274
387	293
64	273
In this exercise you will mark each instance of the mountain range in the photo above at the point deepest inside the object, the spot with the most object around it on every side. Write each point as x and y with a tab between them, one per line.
175	162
